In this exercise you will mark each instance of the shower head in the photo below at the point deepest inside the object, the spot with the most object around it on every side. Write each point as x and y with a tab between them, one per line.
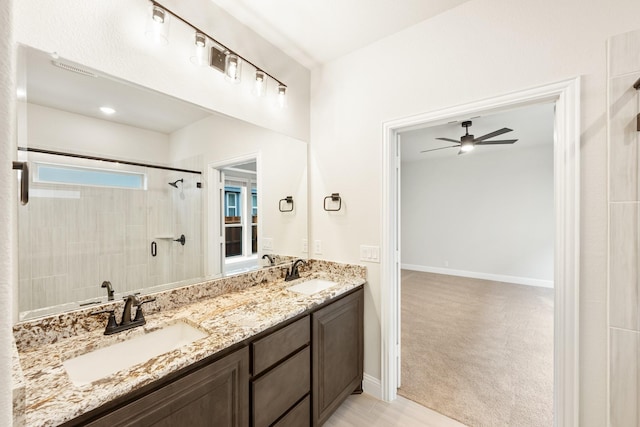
174	184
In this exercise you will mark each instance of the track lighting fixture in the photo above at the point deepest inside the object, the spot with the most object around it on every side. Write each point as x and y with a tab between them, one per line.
232	67
200	49
222	58
260	84
158	25
282	96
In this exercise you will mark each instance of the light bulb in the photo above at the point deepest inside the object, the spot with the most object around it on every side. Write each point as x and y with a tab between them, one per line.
282	96
260	84
232	68
466	147
158	25
200	49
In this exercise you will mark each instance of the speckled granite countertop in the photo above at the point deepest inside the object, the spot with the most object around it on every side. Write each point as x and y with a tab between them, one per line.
229	318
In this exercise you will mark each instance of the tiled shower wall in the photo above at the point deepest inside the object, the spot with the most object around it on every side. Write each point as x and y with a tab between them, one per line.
69	245
624	286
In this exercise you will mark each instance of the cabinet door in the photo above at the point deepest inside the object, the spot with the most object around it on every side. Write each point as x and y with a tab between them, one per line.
215	395
337	354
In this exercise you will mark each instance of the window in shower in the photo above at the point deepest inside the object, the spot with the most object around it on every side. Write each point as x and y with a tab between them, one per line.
97	177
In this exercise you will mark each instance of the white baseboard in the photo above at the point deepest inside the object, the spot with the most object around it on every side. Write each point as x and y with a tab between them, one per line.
371	386
476	275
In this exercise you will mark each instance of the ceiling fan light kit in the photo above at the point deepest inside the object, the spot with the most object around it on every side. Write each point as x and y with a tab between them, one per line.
468	142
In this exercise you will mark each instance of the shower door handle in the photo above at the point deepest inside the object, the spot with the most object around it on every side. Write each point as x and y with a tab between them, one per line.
24	181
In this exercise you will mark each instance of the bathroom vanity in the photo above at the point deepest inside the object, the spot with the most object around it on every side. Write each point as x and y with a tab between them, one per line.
272	356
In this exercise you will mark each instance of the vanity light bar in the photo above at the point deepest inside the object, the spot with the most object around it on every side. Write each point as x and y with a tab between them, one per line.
222	47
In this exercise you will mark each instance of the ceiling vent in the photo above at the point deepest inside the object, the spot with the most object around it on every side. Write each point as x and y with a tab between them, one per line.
73	68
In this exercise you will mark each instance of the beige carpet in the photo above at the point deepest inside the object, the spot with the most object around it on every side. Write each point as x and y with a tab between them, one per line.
478	351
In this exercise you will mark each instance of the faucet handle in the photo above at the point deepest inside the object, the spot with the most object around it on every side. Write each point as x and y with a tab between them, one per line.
139	313
111	322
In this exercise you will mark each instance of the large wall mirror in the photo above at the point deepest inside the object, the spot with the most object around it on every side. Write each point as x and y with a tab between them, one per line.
132	190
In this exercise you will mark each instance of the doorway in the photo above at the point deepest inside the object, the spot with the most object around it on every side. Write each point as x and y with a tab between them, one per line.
477	267
565	95
233	222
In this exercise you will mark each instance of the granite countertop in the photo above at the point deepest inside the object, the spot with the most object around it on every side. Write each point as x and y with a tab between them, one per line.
50	398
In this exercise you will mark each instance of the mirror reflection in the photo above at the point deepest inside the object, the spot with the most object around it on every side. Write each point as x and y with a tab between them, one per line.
132	190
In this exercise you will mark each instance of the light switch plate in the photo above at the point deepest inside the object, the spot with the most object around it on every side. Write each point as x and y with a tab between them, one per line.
369	253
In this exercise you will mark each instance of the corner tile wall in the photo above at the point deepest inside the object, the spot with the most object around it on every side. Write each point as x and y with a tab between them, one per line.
624	256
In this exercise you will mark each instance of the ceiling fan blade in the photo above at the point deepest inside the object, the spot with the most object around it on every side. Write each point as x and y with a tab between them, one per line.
441	148
449	139
499	141
492	134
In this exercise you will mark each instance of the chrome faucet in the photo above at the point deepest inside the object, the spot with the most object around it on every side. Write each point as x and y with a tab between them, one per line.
294	274
126	323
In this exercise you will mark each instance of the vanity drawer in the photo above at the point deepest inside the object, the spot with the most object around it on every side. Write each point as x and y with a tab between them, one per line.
279	389
278	345
299	416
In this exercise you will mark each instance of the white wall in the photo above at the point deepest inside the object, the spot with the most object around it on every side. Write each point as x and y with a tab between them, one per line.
109	36
58	130
478	50
7	193
484	214
283	172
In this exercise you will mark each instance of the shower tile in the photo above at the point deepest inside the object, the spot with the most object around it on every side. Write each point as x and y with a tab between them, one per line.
136	208
623	272
111	268
136	276
136	248
59	251
623	139
24	296
624	399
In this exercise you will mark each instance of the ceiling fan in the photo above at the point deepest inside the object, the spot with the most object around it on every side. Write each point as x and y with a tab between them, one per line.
468	142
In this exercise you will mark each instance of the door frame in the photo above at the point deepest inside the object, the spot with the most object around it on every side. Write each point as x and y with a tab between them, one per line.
566	95
214	229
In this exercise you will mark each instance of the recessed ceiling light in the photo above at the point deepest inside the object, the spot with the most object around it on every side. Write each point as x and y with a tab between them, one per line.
107	110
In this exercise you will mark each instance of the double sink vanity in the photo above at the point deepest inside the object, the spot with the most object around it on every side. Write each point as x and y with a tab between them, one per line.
252	349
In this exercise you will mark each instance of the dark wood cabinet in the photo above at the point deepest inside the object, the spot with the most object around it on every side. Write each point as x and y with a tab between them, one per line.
338	348
281	364
215	395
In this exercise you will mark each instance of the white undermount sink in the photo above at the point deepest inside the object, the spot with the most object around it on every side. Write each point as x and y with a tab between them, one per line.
102	362
312	286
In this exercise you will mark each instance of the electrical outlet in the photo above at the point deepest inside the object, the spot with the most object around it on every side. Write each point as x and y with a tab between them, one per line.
305	246
267	243
317	246
446	263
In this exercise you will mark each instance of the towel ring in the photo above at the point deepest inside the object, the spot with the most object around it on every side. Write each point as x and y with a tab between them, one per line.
288	200
334	197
